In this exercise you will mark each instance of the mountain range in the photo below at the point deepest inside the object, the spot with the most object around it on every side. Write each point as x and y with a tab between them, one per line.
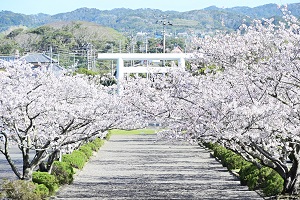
151	20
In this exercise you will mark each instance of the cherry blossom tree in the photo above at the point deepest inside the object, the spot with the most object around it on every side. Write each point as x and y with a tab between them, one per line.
246	98
43	114
258	114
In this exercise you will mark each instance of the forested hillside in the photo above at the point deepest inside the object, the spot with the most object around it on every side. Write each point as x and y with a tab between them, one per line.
75	37
69	42
128	20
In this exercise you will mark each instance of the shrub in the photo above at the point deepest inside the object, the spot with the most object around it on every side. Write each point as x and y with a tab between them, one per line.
48	180
264	175
86	72
63	172
19	190
98	143
42	191
227	157
76	159
273	185
210	145
234	161
248	174
92	146
253	179
87	150
264	178
108	135
219	152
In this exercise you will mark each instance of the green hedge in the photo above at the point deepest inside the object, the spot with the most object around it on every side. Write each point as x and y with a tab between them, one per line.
79	157
108	135
47	179
42	191
227	157
265	178
63	172
98	143
21	190
76	159
87	150
92	146
249	175
45	184
245	171
274	184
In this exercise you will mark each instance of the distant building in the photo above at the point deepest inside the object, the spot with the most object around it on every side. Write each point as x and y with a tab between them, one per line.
43	62
177	49
141	34
183	34
8	58
38	61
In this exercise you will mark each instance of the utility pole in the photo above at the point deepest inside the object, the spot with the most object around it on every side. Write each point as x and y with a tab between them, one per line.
132	47
89	50
146	44
164	22
112	61
120	46
51	54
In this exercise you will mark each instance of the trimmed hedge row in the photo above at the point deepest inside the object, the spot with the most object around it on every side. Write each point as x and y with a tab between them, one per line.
228	158
63	172
79	157
108	135
44	184
265	179
76	159
23	190
49	180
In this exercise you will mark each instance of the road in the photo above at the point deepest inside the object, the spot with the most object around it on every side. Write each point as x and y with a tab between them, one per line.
139	167
5	169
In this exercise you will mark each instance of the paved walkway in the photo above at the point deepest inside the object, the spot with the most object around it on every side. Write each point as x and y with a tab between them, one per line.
137	167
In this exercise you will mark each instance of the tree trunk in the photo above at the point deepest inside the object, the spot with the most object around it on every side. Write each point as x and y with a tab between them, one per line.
53	157
43	167
47	166
27	171
291	179
27	174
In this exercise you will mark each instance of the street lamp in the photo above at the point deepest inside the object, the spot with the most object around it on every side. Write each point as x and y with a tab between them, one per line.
164	22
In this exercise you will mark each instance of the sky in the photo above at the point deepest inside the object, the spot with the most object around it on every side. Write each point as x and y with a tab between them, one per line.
60	6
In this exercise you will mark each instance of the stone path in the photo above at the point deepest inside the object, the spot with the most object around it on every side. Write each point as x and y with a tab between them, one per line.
137	167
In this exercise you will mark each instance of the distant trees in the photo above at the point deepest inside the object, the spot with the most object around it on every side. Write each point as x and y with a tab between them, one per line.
8	46
66	39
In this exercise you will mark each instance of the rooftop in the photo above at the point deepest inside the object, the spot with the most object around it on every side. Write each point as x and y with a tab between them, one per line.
38	57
